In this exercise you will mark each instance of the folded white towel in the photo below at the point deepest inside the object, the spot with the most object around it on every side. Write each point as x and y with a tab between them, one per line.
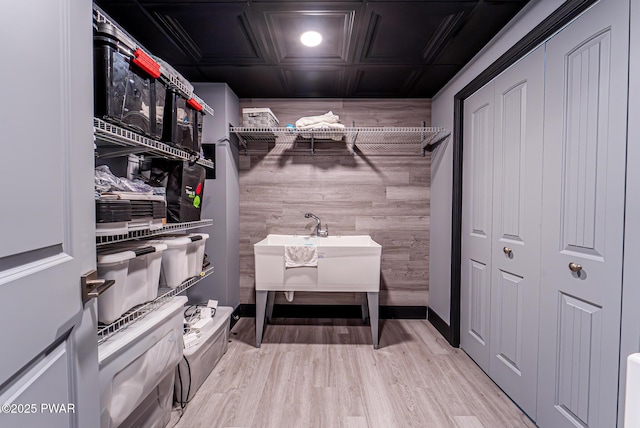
300	255
323	125
310	120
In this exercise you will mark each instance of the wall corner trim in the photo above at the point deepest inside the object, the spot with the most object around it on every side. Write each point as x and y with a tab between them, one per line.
443	328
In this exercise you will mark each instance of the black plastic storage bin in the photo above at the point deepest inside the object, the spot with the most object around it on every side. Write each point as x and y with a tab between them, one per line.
125	91
184	183
182	122
112	211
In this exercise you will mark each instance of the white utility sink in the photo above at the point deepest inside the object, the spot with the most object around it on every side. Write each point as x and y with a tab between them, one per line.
344	264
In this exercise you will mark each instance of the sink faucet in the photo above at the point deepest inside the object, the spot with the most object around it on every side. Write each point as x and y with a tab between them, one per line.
319	231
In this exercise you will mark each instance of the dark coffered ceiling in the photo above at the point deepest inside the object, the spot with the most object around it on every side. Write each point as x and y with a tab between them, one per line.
381	49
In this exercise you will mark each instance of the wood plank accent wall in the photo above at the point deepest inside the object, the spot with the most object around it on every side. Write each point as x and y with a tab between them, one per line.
386	197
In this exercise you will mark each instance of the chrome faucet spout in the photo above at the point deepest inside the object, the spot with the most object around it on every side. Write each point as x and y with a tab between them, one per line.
309	215
319	231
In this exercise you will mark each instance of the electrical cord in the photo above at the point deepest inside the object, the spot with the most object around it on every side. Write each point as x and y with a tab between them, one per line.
190	312
182	400
196	307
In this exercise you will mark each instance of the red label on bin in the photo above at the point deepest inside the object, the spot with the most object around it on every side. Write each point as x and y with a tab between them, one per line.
146	63
194	104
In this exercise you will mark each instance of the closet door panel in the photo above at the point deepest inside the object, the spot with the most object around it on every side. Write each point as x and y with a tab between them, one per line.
583	220
509	298
517	200
476	225
510	181
479	302
583	213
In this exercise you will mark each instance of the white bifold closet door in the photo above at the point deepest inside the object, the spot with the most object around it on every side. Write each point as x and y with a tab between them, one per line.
477	206
583	213
502	194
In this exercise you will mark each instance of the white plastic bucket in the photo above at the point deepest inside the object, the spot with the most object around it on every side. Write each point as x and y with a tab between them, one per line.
195	252
174	270
137	268
113	266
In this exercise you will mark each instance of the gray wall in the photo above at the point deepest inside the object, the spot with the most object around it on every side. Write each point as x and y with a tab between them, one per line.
221	202
442	157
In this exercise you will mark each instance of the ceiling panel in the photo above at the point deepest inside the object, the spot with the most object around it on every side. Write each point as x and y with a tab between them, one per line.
392	82
314	82
371	48
407	34
258	82
221	32
285	27
432	79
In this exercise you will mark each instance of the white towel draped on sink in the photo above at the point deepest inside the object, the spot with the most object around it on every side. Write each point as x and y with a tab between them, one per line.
300	255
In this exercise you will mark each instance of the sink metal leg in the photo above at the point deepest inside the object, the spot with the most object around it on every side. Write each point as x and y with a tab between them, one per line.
261	305
271	297
365	307
372	298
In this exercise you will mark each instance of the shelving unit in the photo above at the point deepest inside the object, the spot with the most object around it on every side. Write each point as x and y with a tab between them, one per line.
136	234
350	140
108	136
165	294
113	141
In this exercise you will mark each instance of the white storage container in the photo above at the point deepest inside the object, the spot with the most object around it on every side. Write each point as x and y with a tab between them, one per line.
112	229
195	252
203	357
259	118
136	269
175	267
155	409
136	362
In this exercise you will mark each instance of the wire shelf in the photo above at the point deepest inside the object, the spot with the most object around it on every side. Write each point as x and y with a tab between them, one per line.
205	107
361	140
175	79
138	313
136	234
112	134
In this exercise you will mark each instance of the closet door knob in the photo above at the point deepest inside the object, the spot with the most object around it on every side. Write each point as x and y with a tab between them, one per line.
508	251
574	267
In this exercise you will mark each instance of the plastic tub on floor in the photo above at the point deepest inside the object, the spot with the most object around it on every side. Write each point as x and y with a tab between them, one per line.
203	358
135	362
155	409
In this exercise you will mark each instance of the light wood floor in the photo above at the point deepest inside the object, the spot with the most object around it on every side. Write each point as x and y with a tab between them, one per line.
325	373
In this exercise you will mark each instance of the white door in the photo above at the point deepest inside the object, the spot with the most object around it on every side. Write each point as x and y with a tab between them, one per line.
475	293
582	224
517	197
47	236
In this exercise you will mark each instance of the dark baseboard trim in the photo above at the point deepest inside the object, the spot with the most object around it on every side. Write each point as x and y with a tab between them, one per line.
235	315
245	310
442	327
403	312
333	311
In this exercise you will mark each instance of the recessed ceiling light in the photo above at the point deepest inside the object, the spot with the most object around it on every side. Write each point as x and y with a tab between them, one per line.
311	38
